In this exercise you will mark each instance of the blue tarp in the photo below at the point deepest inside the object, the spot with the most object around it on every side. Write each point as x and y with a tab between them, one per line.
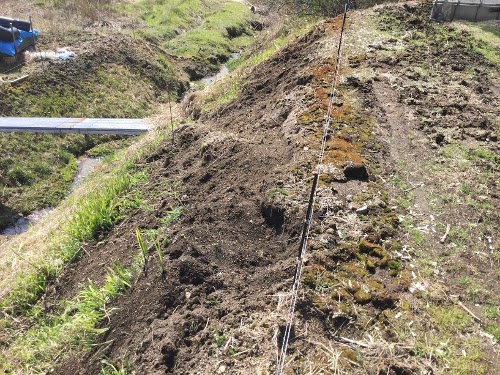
9	48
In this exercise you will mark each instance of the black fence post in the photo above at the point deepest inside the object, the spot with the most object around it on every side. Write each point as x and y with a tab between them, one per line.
32	34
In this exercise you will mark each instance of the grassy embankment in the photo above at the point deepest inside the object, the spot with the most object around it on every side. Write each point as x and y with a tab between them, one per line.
201	33
464	187
458	191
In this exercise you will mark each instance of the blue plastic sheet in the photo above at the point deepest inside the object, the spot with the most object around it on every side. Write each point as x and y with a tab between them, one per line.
28	34
9	48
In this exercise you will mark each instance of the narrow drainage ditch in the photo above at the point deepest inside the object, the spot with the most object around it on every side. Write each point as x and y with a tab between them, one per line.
222	72
85	166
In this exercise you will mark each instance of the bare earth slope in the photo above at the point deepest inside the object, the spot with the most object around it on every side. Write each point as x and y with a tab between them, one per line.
401	276
232	249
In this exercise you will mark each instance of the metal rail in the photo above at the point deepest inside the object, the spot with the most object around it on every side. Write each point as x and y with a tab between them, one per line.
74	125
470	10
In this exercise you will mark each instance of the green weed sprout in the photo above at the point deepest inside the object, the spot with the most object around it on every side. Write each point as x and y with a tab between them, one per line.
144	249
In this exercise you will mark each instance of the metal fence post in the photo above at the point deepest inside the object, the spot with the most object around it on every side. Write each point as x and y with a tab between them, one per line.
455	10
477	10
32	33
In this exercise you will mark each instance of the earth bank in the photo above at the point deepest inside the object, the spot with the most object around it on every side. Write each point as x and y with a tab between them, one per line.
395	281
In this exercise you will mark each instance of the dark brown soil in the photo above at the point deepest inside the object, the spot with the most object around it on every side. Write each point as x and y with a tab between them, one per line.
232	248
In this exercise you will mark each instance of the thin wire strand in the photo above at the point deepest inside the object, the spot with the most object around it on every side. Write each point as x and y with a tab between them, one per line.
310	211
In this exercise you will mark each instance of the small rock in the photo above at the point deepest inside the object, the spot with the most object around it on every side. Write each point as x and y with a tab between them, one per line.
221	369
362	210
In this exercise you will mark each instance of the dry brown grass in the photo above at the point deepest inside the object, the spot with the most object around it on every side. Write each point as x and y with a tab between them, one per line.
61	16
93	10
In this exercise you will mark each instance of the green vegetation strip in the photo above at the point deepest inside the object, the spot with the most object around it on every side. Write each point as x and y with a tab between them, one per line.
75	327
205	31
74	324
96	212
46	337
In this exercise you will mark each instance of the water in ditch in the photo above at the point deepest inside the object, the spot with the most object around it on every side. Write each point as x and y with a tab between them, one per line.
85	166
222	72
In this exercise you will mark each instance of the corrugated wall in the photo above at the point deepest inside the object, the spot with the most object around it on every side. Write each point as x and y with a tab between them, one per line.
470	10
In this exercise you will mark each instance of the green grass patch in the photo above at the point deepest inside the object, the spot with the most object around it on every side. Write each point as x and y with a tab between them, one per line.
97	212
205	31
450	318
108	149
73	327
168	18
108	90
109	368
488	36
37	170
494	329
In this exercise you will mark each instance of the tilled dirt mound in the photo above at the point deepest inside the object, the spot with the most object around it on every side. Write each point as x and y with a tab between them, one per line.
233	248
244	177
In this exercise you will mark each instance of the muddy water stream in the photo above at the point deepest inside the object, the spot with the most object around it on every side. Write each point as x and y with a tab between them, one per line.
222	72
85	166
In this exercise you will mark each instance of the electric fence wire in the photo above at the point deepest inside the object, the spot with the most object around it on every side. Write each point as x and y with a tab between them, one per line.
307	222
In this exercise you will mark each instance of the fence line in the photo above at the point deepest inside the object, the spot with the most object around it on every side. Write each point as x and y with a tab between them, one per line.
310	208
